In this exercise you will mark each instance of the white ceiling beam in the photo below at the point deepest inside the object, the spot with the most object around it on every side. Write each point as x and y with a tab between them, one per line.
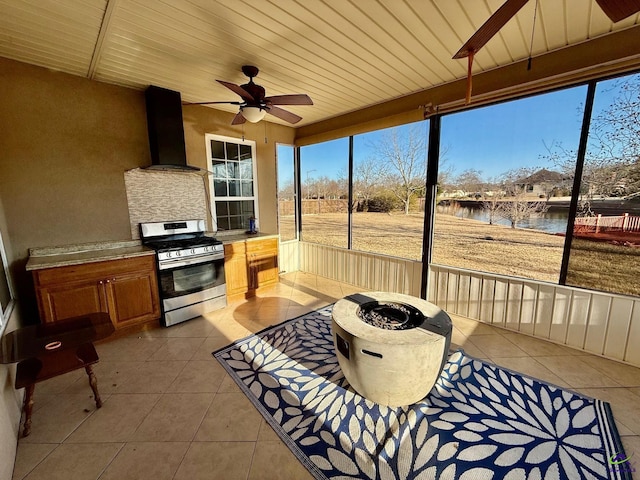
102	34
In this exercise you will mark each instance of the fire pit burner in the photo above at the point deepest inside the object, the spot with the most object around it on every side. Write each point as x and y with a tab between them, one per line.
390	315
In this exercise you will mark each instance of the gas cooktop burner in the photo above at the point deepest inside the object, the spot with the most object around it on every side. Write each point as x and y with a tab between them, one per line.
390	315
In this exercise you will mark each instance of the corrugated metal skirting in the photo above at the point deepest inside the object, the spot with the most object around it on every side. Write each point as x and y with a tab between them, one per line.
597	322
366	270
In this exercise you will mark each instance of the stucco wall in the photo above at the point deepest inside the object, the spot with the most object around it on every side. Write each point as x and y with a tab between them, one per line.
65	145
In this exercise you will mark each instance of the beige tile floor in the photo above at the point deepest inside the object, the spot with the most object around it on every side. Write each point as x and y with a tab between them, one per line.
171	412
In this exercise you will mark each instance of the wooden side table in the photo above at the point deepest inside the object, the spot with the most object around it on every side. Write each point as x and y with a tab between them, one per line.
47	350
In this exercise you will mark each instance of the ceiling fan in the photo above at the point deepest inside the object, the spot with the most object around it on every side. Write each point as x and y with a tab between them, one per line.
255	105
616	10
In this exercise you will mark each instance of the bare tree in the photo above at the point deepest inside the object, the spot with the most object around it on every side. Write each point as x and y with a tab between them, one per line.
445	170
405	154
517	207
612	160
286	191
492	206
470	181
368	177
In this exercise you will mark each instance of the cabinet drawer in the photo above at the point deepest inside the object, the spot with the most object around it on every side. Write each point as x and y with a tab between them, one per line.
237	248
262	246
96	270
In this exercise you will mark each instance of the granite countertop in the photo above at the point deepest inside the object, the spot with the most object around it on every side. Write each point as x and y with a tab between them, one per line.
240	237
67	255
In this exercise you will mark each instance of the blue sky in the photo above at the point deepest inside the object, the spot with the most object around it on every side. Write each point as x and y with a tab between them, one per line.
491	139
511	135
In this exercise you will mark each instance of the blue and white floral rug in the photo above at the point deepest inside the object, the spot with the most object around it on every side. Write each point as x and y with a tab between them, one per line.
479	422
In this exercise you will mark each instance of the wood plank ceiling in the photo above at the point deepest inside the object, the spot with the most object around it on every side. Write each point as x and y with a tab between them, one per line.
346	54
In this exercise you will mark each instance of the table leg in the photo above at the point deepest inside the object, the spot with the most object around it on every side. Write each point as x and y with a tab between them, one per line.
93	382
28	408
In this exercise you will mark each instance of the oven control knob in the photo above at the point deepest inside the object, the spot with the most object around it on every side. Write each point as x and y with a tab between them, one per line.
193	251
177	253
168	254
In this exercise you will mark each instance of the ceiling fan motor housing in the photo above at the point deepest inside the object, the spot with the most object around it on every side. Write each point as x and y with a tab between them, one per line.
257	92
250	71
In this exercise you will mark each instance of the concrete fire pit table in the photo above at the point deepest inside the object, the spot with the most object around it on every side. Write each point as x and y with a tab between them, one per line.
391	347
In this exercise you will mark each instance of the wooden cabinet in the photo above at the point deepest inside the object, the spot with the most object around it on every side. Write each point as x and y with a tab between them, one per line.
250	265
262	260
126	289
235	269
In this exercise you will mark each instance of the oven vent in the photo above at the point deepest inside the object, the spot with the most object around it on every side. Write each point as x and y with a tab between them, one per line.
166	130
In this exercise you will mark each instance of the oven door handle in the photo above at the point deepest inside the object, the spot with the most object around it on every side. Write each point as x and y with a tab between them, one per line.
183	262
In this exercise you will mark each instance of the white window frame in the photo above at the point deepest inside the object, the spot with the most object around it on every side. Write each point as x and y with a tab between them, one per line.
6	312
212	195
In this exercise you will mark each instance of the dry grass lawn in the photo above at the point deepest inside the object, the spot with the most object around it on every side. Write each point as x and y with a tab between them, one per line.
603	266
458	242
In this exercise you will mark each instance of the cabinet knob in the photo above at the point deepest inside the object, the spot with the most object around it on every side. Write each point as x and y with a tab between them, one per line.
108	281
100	282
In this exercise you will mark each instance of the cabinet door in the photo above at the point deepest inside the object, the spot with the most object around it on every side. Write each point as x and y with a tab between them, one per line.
264	270
263	262
235	269
133	298
72	299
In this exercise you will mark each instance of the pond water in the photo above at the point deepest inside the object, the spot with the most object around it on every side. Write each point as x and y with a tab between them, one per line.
552	221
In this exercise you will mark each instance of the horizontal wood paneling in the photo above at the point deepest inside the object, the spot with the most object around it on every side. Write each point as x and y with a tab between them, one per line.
600	323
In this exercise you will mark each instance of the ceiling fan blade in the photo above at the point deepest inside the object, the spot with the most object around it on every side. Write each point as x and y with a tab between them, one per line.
238	119
296	99
284	115
618	10
237	89
212	103
490	27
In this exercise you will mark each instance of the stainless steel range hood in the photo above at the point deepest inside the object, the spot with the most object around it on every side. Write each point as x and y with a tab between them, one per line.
166	130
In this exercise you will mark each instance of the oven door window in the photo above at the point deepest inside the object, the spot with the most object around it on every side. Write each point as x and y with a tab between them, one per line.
192	278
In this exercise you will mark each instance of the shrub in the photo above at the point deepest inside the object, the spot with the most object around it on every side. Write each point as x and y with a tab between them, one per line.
383	203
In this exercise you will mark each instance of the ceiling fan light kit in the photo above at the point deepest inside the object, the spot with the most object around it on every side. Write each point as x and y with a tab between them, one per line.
253	114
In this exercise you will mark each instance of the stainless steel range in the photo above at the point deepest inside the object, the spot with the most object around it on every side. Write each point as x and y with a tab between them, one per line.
190	268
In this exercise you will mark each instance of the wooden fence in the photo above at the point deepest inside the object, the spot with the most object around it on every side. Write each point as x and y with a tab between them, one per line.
602	224
314	206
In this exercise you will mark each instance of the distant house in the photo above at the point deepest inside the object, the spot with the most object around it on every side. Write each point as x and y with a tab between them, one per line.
543	183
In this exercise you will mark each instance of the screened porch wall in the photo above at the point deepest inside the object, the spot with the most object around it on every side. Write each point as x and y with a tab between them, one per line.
596	322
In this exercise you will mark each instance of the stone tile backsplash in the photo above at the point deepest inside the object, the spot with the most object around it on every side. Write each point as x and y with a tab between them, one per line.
158	196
